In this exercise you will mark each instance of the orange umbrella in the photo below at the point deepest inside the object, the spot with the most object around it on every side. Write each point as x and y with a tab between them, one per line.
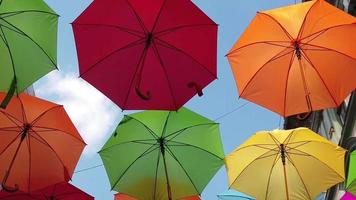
122	196
296	59
39	145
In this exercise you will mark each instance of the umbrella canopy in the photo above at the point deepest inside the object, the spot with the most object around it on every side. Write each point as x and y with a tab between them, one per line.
146	55
296	59
60	191
233	195
348	196
39	145
163	155
28	30
285	164
351	176
121	196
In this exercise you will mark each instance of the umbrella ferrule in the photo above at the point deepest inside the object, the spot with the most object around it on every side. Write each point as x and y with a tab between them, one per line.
149	39
283	153
297	48
161	144
25	131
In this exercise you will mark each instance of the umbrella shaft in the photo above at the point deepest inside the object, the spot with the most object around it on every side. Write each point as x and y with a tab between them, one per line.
166	173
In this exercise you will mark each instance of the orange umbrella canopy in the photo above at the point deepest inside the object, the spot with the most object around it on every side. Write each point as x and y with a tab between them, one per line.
296	59
121	196
39	145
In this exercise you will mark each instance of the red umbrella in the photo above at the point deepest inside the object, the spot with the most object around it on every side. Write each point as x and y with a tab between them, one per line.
61	191
146	54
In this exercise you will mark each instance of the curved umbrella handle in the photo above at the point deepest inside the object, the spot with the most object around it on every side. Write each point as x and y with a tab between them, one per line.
145	97
303	116
197	87
10	189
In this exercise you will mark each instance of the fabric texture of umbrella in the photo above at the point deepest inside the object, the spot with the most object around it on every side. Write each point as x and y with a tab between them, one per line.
296	59
60	191
28	30
351	176
39	145
348	196
163	155
285	164
233	195
146	55
127	197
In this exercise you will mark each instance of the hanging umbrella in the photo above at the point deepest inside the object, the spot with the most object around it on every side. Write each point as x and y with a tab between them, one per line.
146	55
28	44
296	59
233	195
348	196
285	164
39	145
60	191
351	176
163	155
121	196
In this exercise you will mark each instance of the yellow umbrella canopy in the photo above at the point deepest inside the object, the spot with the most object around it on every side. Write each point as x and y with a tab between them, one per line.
285	164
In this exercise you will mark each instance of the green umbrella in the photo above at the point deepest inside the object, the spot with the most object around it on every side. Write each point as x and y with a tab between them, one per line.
28	44
163	155
351	177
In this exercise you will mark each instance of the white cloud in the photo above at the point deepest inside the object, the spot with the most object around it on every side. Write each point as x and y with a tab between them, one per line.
94	115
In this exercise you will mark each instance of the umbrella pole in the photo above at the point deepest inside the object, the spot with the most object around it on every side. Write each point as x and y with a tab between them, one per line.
161	142
3	184
283	156
306	91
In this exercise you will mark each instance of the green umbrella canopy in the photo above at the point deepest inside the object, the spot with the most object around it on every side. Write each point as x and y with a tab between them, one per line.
28	43
351	178
163	155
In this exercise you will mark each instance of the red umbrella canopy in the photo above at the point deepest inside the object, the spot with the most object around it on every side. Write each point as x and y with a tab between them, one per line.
61	191
39	144
144	54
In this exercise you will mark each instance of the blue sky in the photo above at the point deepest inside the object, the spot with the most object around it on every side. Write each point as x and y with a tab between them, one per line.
96	117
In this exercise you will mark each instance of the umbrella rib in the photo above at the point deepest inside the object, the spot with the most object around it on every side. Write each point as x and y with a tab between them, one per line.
10	143
321	32
155	136
287	81
24	117
10	14
11	118
180	131
321	162
138	68
299	145
196	147
169	30
271	42
277	56
124	29
155	50
169	46
185	171
54	129
279	24
23	33
44	142
321	78
10	53
270	174
301	30
44	113
158	16
137	17
329	49
157	165
132	141
305	187
165	125
130	45
245	168
147	151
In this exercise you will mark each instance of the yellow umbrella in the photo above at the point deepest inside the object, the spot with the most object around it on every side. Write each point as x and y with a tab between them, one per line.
285	164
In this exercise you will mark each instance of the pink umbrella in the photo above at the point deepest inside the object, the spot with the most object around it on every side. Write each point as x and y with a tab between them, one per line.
348	196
